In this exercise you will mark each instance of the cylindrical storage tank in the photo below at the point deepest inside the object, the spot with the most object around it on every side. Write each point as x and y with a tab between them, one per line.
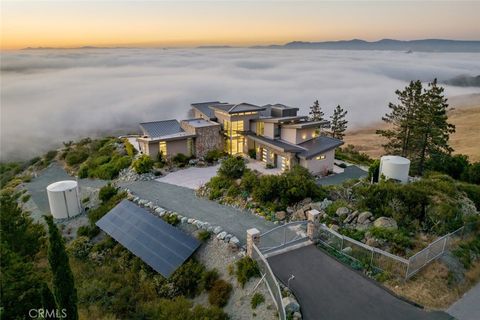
394	167
64	199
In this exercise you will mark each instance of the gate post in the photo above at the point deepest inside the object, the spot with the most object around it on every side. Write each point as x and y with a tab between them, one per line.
253	237
313	217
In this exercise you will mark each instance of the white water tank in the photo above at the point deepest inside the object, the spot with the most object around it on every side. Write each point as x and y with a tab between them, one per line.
394	167
64	199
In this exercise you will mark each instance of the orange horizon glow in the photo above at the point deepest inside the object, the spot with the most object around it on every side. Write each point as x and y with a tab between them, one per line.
180	24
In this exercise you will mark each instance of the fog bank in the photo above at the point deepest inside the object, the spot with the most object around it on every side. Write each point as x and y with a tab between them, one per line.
50	96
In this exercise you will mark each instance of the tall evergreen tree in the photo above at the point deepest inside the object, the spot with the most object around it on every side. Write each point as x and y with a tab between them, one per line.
48	301
400	120
338	123
432	129
63	282
316	113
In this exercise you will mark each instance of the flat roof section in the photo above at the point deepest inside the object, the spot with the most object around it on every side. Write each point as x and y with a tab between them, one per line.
199	123
160	245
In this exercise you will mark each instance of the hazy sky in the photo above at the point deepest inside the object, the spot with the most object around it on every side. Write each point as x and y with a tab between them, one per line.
181	23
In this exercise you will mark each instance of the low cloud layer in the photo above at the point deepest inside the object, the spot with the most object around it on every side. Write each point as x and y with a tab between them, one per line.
52	96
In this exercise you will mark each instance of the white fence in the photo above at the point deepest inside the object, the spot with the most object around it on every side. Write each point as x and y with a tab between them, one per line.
386	261
271	281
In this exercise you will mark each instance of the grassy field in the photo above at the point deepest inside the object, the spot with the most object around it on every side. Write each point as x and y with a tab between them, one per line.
465	116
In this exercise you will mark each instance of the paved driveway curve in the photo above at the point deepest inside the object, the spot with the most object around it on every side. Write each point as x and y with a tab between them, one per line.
184	201
329	290
468	307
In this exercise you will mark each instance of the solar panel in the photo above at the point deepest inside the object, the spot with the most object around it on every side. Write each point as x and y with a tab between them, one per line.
160	245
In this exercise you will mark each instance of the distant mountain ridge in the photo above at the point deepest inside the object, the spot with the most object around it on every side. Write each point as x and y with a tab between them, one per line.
425	45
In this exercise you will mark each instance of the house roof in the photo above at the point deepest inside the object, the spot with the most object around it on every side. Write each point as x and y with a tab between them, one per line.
275	143
318	145
268	108
204	107
200	123
157	129
160	245
307	124
236	108
283	119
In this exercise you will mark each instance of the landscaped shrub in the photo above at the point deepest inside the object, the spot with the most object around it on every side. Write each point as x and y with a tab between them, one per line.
257	300
180	160
252	153
204	235
468	252
107	192
50	155
179	308
398	238
188	277
219	293
373	171
80	247
214	155
129	148
249	180
96	214
218	185
25	198
171	219
144	164
208	279
77	156
232	167
349	154
246	269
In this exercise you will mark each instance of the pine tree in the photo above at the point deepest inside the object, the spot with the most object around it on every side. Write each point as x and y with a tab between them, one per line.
338	123
400	135
63	282
316	113
432	129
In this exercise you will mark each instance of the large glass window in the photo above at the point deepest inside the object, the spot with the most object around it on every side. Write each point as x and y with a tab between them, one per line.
234	139
260	128
163	148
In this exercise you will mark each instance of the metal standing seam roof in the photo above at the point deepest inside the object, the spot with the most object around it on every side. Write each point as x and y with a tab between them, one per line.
160	245
275	143
318	145
157	129
235	108
204	107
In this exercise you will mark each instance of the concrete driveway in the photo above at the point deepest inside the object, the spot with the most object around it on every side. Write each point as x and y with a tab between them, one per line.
350	172
468	307
191	178
329	290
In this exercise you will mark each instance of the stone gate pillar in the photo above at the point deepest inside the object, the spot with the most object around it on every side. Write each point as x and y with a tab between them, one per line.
313	216
253	237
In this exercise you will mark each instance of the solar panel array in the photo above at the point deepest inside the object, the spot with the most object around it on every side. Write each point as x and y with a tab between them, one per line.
160	245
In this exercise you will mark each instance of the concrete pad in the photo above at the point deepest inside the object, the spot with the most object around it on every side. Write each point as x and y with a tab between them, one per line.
191	178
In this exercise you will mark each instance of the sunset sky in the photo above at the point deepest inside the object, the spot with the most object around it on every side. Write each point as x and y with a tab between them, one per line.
181	23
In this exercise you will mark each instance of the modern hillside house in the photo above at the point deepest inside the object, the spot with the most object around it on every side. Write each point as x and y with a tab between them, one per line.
278	135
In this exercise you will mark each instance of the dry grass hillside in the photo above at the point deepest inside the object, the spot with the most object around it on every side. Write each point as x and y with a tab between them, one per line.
465	116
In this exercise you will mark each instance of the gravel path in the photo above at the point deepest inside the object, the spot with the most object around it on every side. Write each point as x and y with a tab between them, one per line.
184	201
192	178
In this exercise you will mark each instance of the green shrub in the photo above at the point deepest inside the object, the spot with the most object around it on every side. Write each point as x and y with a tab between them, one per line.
332	208
218	185
468	252
107	192
220	293
232	167
83	171
257	300
129	148
187	278
246	269
398	238
208	279
180	160
233	191
50	155
143	164
252	153
85	200
96	214
349	154
204	235
249	180
89	231
25	198
269	166
80	247
374	171
214	155
171	219
352	233
77	156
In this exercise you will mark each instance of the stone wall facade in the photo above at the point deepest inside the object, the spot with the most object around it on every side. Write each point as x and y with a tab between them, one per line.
207	138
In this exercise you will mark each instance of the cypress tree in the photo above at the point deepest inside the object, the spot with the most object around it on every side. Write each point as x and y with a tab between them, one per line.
400	119
338	123
63	282
48	301
316	113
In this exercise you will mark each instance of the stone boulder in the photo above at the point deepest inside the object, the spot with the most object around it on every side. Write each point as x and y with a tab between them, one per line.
291	305
364	217
386	223
280	215
299	215
342	212
351	218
